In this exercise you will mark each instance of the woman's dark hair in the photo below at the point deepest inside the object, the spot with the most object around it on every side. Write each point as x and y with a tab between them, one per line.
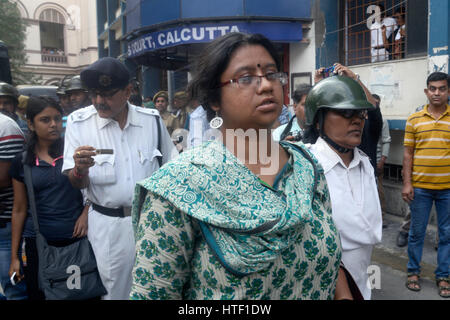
214	59
35	106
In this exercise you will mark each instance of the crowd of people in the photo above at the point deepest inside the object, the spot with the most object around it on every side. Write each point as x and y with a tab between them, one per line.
218	194
47	50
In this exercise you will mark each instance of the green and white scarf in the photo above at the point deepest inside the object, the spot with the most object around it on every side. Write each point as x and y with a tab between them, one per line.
246	223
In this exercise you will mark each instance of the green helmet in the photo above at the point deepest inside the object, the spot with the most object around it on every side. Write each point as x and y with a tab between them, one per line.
336	92
7	90
75	84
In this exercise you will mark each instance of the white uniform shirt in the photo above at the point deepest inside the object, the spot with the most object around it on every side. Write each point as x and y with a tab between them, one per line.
376	34
376	38
355	206
113	177
198	126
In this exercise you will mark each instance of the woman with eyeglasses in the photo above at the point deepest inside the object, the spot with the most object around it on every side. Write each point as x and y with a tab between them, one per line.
336	109
239	217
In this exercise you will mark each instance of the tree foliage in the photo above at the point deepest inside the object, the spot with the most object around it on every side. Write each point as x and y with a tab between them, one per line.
13	34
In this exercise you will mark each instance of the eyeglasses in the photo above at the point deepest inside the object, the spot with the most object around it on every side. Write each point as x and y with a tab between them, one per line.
245	82
350	113
109	94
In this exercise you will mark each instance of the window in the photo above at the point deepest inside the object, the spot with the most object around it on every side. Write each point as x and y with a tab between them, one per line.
51	26
383	30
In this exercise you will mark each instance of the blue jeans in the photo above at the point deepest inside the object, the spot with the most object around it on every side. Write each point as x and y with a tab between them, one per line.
19	291
420	213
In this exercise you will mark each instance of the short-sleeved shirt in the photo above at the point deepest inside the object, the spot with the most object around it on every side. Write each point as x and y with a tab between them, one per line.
11	143
58	204
430	139
135	151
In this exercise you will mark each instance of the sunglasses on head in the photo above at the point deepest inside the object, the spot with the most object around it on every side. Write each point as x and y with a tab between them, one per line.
350	113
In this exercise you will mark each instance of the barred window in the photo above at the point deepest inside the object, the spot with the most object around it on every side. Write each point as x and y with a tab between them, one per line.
51	15
51	27
380	30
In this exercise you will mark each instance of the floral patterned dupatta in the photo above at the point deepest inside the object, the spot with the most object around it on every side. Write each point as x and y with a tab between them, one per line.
246	223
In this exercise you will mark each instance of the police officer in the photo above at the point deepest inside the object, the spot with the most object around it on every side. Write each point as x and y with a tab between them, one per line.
161	101
64	98
109	146
9	100
336	110
78	94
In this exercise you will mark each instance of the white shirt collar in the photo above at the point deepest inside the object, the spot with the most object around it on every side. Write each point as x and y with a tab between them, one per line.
329	158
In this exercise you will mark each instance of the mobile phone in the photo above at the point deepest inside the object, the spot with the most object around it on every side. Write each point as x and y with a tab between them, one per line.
14	279
104	151
328	71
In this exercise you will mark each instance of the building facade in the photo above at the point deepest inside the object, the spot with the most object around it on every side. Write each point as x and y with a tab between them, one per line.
61	37
159	38
345	36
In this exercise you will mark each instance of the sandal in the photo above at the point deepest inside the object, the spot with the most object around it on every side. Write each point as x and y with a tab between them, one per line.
442	288
413	284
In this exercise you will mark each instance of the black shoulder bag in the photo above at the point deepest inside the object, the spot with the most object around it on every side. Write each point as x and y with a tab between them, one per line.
64	273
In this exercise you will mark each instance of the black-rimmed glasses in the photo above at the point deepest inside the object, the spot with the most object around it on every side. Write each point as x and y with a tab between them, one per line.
255	80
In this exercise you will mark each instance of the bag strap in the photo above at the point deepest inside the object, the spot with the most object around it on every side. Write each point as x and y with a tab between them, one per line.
287	129
30	190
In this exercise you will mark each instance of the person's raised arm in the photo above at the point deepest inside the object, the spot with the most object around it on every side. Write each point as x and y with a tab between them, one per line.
345	71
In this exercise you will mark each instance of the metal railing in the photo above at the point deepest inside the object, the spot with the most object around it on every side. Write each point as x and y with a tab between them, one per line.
53	58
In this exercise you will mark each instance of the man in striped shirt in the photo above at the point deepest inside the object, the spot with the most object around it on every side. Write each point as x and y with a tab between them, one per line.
11	143
426	179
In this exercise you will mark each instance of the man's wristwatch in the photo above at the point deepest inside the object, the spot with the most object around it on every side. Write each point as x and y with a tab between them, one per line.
356	76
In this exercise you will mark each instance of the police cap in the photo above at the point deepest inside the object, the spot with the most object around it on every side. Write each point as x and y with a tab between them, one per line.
105	74
161	94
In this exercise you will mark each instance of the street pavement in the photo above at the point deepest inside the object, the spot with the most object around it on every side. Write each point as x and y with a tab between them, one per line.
392	261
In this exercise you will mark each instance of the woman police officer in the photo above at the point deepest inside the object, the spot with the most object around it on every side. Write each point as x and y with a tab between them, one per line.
336	109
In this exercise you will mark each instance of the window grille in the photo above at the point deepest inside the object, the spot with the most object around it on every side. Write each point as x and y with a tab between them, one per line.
363	35
51	15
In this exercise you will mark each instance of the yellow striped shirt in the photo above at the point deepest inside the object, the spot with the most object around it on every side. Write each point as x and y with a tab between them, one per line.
430	139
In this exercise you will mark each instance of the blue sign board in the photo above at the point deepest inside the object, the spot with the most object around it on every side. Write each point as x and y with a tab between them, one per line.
206	32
